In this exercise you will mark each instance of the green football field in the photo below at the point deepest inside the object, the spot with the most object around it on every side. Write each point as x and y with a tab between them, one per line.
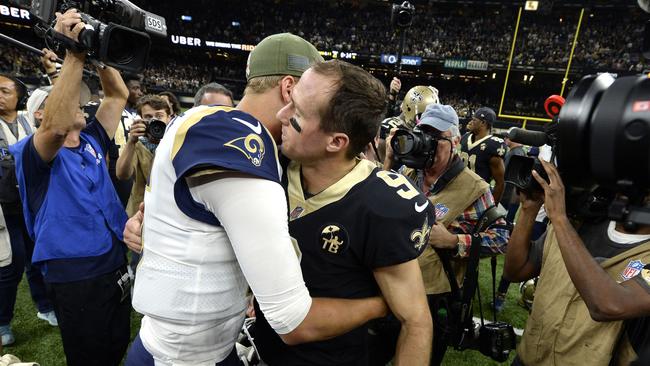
37	341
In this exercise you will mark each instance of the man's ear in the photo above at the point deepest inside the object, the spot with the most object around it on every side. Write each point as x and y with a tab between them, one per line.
286	87
338	142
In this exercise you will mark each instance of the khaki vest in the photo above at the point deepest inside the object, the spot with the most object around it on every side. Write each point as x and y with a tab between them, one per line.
459	194
560	331
143	160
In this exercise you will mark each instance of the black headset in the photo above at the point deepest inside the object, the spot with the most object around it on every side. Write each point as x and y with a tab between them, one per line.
21	88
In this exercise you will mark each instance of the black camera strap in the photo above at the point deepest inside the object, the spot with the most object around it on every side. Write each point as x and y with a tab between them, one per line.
455	167
463	298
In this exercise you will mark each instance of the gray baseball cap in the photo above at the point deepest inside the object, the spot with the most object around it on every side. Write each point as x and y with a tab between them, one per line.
442	117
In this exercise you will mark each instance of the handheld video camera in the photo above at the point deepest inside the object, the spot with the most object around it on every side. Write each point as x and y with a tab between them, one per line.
600	140
117	37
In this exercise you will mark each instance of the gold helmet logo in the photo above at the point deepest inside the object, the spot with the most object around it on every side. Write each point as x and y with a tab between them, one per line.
333	239
416	101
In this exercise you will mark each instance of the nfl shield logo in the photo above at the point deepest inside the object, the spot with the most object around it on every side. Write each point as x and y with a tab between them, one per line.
633	268
296	213
441	211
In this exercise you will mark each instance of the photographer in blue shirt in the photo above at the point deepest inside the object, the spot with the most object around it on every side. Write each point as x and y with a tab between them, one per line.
73	213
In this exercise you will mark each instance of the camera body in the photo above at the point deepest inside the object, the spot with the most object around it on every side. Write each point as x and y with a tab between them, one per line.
401	15
155	129
117	37
414	148
455	323
496	340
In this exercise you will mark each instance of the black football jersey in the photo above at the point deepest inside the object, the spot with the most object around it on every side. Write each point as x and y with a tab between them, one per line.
369	219
477	154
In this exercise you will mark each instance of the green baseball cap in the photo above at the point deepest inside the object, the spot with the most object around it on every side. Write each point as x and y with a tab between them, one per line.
281	54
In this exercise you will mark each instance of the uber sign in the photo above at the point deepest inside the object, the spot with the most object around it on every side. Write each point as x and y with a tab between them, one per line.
186	41
10	11
406	60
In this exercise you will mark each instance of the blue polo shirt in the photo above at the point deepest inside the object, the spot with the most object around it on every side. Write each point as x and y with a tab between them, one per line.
71	209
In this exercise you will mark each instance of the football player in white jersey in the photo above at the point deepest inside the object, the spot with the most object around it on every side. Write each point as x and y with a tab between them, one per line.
215	223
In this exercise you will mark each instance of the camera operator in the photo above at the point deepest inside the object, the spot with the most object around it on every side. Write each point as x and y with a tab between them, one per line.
582	314
73	213
460	197
137	157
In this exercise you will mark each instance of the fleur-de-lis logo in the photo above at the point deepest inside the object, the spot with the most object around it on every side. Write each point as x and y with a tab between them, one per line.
421	236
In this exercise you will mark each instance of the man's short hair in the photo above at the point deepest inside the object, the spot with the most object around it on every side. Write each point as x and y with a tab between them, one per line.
261	84
358	105
176	105
211	88
153	101
127	77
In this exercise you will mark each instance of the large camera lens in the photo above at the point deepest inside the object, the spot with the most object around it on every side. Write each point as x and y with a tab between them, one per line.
604	132
124	48
403	142
156	129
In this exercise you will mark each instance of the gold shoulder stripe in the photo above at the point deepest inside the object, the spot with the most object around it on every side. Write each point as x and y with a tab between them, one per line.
471	145
190	121
331	194
203	172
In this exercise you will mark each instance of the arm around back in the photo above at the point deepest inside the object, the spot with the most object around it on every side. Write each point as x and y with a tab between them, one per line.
270	264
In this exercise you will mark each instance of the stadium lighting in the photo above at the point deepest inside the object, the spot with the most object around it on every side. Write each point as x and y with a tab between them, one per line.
531	5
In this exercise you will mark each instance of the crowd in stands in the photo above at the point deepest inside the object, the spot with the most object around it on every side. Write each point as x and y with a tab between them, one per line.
16	62
605	43
483	34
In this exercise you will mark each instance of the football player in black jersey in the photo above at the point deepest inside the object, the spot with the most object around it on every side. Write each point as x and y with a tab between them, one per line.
482	152
359	229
